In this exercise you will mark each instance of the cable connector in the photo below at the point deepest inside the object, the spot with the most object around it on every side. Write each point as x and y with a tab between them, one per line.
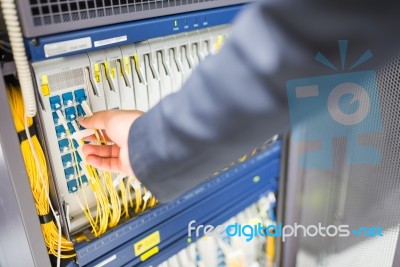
119	178
86	108
147	196
79	135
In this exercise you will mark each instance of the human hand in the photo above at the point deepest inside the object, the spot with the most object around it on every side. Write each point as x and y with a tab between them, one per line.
116	125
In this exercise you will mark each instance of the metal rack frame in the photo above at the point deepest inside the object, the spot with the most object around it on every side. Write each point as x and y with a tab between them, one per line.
21	244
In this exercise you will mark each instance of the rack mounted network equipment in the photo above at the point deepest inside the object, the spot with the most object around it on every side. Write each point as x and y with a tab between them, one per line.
129	65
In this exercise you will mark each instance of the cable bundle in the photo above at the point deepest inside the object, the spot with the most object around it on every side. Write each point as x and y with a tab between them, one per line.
37	171
111	204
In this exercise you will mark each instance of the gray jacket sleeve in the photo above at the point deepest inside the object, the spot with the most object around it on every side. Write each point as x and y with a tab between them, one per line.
236	100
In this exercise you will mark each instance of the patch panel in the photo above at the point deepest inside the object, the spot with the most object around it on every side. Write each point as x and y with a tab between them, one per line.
55	102
70	113
67	99
69	173
71	128
66	160
60	131
80	96
72	186
133	76
80	111
64	145
67	109
55	118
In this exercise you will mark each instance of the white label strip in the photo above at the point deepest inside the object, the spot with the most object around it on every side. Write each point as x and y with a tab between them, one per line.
110	41
106	261
61	48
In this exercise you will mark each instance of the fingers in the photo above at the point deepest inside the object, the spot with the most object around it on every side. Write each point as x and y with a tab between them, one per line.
107	164
104	151
97	121
103	157
93	138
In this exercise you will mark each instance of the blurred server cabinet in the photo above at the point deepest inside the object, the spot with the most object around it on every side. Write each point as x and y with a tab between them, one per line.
361	195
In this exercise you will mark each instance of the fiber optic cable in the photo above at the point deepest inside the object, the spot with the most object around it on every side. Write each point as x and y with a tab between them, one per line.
85	208
36	168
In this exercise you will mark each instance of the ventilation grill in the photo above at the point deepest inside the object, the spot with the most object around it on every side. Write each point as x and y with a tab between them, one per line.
49	12
66	79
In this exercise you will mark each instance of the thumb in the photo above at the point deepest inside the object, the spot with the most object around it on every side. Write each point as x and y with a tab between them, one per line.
97	121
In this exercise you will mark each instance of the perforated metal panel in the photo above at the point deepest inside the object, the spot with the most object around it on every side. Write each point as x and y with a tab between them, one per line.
363	195
42	17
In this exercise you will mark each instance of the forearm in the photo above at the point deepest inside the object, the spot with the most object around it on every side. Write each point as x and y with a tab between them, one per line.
236	100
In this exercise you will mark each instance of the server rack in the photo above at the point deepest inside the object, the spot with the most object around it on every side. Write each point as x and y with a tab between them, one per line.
43	17
22	221
254	177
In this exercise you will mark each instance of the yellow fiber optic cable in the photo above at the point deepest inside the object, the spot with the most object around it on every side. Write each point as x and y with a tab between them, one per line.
111	204
38	178
128	187
85	208
124	199
270	250
115	214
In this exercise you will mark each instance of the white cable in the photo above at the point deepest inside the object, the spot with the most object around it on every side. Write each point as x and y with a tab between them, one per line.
35	157
18	50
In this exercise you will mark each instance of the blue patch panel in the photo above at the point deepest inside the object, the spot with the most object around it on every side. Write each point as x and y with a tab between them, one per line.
64	145
67	99
69	104
71	127
70	114
69	173
228	190
55	102
75	143
55	117
60	131
72	186
66	160
80	111
84	180
80	95
79	158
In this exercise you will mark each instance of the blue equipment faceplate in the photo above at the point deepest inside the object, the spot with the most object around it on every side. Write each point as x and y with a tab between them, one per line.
130	32
182	241
214	201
